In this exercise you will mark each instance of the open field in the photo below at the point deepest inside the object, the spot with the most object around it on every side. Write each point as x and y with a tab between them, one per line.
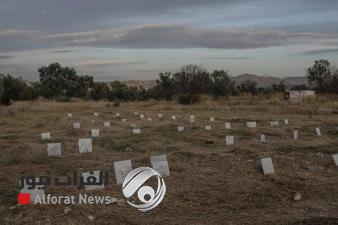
210	183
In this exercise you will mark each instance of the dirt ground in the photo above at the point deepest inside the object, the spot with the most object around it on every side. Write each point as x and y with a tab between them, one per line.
210	183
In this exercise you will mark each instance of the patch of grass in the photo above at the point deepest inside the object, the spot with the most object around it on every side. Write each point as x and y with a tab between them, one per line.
14	157
9	195
40	159
242	133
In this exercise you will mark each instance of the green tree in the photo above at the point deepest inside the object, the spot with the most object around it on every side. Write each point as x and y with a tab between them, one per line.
320	75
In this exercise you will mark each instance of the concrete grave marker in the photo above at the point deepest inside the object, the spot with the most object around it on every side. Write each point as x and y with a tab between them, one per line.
106	124
295	134
208	127
150	119
70	115
192	117
263	139
230	140
122	168
95	132
180	129
45	136
251	124
133	125
286	121
85	145
160	115
267	166
135	113
54	149
96	114
76	125
212	119
173	117
335	159
318	132
124	120
141	116
36	193
117	114
160	164
227	125
94	177
136	131
274	123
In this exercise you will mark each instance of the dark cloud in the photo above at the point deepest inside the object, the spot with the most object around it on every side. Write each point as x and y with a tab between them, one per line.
226	58
6	56
62	51
320	52
107	63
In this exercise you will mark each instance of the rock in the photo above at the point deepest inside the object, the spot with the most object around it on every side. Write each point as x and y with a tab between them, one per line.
91	217
113	200
67	210
297	197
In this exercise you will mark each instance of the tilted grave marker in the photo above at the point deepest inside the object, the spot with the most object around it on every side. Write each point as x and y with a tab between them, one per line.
263	139
45	136
267	166
160	164
54	149
85	145
318	132
122	168
295	134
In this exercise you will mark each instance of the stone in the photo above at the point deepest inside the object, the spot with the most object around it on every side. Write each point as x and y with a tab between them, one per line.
67	210
54	149
133	125
295	134
286	121
122	168
124	120
95	132
117	114
160	115
212	119
137	131
38	190
263	139
150	119
192	117
173	117
208	127
45	136
318	132
180	129
96	114
335	159
227	125
76	125
160	164
230	140
267	166
297	197
251	124
91	217
135	113
106	124
70	115
85	145
141	116
274	123
93	178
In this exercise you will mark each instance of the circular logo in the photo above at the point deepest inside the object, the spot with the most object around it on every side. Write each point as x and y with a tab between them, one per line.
147	196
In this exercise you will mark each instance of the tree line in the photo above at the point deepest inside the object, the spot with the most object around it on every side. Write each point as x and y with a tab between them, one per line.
186	85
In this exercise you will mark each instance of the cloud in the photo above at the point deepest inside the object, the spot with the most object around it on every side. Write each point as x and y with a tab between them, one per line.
6	56
107	63
320	51
226	58
63	51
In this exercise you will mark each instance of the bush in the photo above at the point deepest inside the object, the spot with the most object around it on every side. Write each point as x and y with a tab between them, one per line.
116	103
187	99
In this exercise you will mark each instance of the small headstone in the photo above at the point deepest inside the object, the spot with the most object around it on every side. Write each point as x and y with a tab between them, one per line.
141	116
318	132
94	177
208	127
54	149
76	125
227	125
230	140
160	164
124	120
137	131
212	119
192	117
70	115
263	139
37	191
274	123
160	115
267	166
286	121
251	124
106	124
122	168
150	119
96	114
335	159
85	145
135	113
173	117
45	136
133	125
117	114
295	134
180	129
95	132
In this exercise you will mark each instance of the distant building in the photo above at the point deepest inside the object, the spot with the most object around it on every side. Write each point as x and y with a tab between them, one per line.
299	95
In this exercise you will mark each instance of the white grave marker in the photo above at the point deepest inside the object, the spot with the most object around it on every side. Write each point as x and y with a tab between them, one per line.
106	124
251	124
173	117
54	149
117	114
122	168
227	125
70	115
318	132
137	131
160	115
135	113
45	136
212	119
335	159
180	129
150	119
96	114
263	139
37	191
76	125
95	132
141	116
133	125
160	164
230	140
274	123
85	145
124	120
192	117
93	177
267	166
295	134
286	121
208	127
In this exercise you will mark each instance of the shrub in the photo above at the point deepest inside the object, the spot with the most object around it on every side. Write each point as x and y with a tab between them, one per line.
187	99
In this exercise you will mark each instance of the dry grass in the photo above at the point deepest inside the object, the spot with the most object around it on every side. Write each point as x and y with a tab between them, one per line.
210	183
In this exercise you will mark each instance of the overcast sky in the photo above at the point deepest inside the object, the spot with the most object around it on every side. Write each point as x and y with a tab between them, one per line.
137	39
